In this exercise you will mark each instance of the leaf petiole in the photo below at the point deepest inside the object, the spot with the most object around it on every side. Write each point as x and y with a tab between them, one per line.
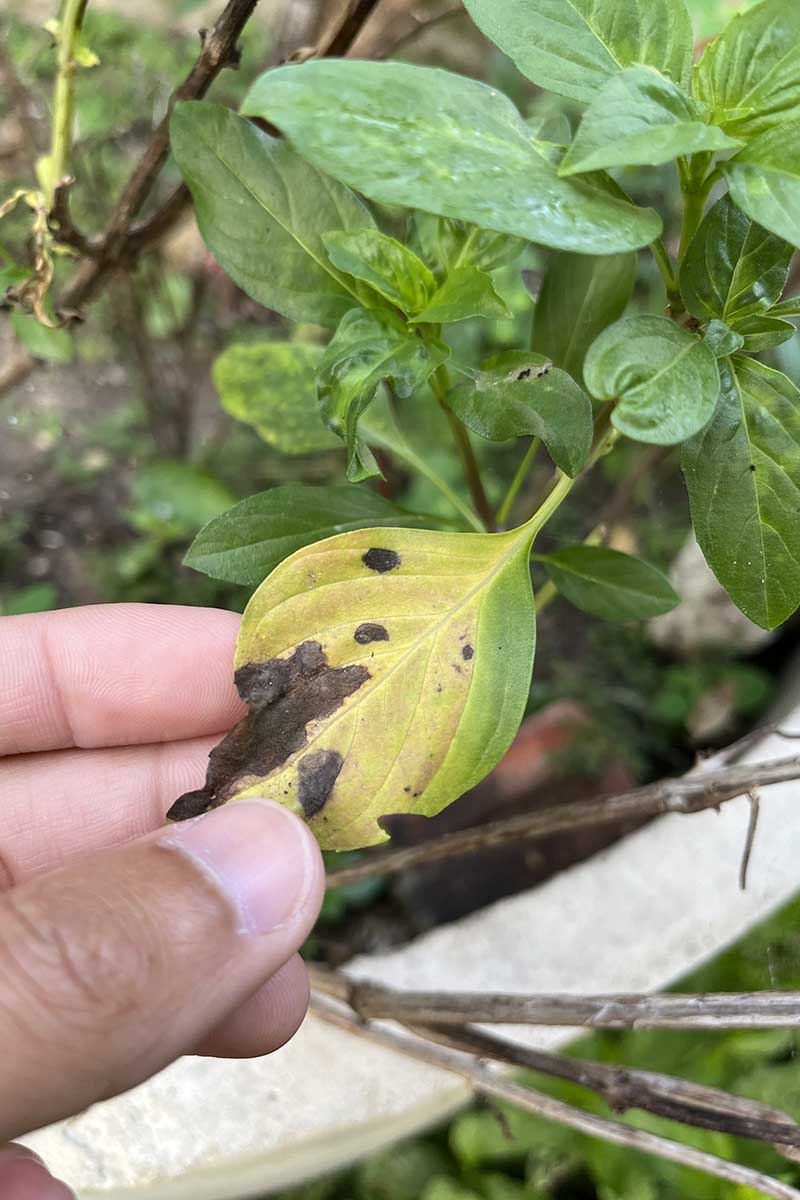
517	482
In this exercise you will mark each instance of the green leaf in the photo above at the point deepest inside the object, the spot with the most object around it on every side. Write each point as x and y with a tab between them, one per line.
52	345
262	211
750	74
465	292
386	671
248	541
609	584
536	399
580	296
428	139
446	244
174	499
764	179
573	46
36	597
386	265
664	379
367	349
743	476
721	340
790	307
763	333
733	267
640	118
273	387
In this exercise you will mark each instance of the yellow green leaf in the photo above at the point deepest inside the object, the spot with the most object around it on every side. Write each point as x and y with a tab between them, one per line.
386	671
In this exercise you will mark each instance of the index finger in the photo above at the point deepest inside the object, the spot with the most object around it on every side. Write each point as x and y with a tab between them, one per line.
115	675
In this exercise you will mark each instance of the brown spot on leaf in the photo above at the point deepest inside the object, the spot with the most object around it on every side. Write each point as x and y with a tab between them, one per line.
317	773
368	632
381	560
467	652
284	695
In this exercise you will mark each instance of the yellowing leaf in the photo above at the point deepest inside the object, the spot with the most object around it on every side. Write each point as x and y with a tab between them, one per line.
386	671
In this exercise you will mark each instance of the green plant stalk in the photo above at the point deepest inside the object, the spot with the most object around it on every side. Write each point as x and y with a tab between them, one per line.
440	382
70	24
441	485
695	188
517	482
664	264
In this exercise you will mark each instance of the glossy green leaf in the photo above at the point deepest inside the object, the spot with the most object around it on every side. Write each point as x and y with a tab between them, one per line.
573	46
464	292
248	541
536	399
764	179
790	307
721	340
743	476
52	345
272	386
764	333
581	294
386	671
367	349
664	379
640	118
609	584
733	267
750	73
262	211
428	139
386	265
445	244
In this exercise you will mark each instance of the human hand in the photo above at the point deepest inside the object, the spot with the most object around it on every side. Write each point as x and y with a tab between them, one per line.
124	944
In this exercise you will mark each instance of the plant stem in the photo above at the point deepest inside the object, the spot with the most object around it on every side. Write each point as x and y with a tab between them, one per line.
440	382
517	482
70	24
664	264
696	183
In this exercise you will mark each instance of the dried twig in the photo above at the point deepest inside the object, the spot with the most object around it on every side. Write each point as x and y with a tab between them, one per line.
752	826
699	789
486	1082
422	24
713	1010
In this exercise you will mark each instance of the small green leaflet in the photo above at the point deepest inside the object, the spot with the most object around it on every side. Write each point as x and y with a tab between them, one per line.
640	118
609	584
764	179
272	386
446	244
664	379
386	265
465	292
750	73
536	399
428	139
573	46
581	294
262	211
764	333
248	541
733	268
743	476
368	348
721	339
386	671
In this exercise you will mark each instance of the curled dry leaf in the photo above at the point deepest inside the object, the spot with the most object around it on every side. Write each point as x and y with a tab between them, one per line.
386	671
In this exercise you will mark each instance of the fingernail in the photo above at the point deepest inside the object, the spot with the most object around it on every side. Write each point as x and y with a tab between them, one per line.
258	853
23	1174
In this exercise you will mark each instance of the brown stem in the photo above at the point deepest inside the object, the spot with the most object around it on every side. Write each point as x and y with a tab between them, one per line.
487	1082
689	794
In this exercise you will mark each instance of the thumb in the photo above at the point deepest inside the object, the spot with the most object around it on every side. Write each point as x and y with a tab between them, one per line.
114	966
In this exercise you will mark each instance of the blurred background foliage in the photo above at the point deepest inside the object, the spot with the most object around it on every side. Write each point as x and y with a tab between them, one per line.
127	439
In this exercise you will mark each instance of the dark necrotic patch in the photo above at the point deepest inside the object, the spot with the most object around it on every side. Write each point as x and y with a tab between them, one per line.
317	773
467	652
368	632
284	695
381	560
